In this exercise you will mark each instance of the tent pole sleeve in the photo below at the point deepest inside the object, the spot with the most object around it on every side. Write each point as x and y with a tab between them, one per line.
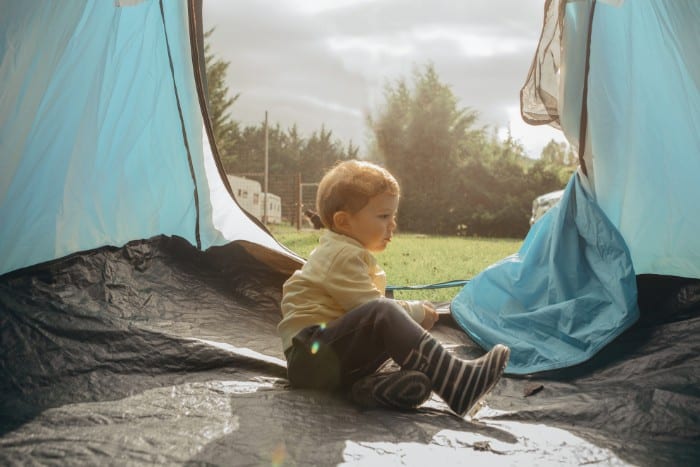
184	130
583	125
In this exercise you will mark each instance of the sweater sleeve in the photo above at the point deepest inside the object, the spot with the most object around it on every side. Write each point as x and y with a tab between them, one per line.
414	308
350	283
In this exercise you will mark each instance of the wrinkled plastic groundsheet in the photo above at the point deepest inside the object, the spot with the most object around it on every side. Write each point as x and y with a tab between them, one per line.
156	353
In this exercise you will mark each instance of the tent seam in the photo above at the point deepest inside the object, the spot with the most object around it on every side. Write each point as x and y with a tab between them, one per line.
184	131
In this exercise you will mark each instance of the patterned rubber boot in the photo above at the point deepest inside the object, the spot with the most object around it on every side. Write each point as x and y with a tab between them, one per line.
403	390
462	384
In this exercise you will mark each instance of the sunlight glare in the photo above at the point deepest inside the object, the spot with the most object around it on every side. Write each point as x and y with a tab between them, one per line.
532	137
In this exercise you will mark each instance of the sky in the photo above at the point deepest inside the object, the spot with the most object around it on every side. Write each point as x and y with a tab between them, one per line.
327	62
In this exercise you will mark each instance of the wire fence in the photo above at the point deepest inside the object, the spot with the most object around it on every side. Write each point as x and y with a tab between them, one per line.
292	194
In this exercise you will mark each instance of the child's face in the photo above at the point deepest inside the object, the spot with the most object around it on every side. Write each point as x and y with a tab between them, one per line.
374	224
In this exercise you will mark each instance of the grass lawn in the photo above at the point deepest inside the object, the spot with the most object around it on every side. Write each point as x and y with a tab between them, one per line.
413	259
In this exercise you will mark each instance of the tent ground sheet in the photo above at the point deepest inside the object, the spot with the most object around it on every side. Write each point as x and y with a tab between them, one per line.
157	353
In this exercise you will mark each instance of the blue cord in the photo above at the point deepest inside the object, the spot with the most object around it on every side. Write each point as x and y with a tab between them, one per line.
439	285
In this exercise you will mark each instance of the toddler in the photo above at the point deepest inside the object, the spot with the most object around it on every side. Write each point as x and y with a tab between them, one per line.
338	328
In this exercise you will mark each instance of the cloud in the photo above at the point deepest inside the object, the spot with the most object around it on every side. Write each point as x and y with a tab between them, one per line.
326	62
470	43
313	7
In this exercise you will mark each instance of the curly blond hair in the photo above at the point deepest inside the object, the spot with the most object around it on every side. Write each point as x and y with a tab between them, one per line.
349	186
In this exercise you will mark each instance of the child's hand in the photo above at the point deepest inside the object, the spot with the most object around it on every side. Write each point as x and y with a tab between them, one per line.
431	316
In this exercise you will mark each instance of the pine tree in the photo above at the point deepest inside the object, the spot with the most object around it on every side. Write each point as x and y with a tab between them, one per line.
226	130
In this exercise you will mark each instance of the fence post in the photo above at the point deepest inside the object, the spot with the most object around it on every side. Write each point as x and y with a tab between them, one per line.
298	204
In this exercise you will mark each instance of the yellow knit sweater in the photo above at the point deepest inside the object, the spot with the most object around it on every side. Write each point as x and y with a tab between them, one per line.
339	275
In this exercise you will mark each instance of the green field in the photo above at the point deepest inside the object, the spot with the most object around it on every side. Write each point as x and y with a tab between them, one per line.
413	259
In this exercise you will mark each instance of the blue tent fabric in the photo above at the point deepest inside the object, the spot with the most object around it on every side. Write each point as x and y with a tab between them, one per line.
643	103
101	133
569	291
89	98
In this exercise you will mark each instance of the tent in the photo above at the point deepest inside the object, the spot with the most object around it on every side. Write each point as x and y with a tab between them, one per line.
621	81
138	301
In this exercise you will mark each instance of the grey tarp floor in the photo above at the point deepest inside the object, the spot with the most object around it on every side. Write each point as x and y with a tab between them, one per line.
155	353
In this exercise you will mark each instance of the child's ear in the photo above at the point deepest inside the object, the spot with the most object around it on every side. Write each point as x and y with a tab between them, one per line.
340	219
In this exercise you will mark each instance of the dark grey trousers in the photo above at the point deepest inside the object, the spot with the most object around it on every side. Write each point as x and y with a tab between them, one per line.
335	355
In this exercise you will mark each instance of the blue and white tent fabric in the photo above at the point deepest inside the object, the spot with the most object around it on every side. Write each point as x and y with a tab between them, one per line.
102	133
569	291
622	81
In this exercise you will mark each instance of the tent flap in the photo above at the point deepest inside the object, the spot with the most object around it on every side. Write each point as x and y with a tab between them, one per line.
642	148
101	133
569	291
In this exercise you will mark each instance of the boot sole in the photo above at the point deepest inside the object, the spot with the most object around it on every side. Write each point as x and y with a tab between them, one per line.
404	390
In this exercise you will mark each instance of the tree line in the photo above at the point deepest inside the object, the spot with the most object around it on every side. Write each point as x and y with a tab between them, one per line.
457	178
